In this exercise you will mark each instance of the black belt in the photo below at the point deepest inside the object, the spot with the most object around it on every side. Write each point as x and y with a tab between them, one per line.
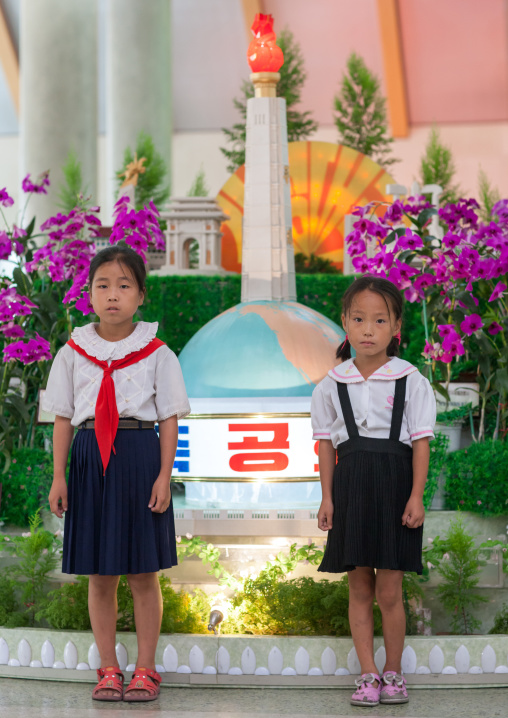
122	424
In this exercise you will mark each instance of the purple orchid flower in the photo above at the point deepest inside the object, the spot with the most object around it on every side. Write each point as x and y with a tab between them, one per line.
5	246
471	324
5	199
83	304
30	187
498	292
12	330
494	328
409	240
361	264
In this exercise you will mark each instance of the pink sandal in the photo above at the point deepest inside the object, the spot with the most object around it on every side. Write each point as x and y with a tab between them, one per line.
143	680
393	688
110	679
366	694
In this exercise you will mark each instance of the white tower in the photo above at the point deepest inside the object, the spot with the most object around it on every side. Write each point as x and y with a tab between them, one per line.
268	265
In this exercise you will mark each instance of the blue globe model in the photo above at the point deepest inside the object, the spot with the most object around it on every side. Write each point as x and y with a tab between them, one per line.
262	348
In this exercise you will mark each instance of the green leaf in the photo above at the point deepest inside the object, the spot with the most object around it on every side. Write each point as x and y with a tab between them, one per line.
441	390
17	403
23	283
425	215
501	379
30	228
8	459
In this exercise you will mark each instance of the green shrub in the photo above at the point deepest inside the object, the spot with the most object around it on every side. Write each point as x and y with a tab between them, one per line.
501	621
476	478
436	463
300	606
8	603
25	485
459	569
37	554
67	608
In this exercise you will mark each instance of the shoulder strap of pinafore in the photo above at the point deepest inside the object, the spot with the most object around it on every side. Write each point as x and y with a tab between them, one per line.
397	413
347	410
398	408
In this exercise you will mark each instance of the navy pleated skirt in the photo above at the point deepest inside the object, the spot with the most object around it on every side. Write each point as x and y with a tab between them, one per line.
109	529
370	491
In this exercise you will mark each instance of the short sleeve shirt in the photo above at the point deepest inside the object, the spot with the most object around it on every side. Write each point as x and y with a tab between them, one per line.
153	389
372	402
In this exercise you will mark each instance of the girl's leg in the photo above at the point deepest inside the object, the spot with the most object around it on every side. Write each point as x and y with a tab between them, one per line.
102	607
389	598
147	597
361	619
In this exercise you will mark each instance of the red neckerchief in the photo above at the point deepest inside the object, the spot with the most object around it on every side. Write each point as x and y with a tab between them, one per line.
106	412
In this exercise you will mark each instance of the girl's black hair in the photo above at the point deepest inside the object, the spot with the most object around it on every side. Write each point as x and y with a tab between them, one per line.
393	300
124	255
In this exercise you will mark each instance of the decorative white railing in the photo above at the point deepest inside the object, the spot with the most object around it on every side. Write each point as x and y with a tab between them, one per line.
253	655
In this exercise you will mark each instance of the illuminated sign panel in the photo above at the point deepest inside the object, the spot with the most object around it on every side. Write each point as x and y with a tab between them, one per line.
246	449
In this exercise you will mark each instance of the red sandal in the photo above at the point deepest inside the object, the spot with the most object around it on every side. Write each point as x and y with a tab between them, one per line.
143	680
110	678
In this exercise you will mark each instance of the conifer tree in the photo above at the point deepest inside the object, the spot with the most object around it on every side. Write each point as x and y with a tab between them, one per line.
71	193
152	183
437	167
488	196
198	187
361	113
292	78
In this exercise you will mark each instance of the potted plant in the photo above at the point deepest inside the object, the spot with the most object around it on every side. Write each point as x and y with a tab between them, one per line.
450	424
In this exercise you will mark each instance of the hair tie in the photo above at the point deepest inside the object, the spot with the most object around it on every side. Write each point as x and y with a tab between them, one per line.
343	343
397	337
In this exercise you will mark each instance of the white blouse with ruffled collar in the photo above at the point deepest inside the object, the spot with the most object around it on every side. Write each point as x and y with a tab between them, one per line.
372	402
151	390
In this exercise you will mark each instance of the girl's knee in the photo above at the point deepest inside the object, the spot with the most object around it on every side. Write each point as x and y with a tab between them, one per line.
361	588
388	597
142	581
103	585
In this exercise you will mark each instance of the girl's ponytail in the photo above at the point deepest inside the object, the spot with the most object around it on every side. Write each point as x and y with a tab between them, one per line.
394	346
344	350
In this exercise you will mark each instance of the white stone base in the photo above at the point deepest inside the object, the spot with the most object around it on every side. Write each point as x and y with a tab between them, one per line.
255	660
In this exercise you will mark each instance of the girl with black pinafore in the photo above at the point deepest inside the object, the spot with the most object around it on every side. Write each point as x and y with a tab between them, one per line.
373	416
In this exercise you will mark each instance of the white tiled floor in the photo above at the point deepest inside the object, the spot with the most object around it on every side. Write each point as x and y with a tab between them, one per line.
51	699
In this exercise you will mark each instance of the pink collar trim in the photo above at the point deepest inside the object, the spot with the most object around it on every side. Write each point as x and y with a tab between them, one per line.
395	368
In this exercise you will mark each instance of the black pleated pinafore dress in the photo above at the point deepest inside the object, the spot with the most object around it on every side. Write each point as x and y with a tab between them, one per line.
372	483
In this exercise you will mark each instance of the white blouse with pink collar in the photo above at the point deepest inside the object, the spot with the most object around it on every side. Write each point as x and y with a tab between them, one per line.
372	402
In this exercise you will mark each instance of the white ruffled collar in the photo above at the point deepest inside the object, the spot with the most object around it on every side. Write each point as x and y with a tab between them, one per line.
87	338
395	368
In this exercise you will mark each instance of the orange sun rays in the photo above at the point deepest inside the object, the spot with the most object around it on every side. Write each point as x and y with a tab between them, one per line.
326	181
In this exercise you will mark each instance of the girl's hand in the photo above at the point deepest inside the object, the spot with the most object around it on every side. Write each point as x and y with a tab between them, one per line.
161	495
414	513
325	515
58	497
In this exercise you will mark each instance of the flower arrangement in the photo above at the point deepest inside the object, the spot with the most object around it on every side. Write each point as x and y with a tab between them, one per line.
138	228
45	277
460	279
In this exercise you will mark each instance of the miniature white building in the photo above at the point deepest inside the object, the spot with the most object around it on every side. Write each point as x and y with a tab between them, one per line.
193	220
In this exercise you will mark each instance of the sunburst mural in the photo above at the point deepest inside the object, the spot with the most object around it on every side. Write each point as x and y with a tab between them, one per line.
327	181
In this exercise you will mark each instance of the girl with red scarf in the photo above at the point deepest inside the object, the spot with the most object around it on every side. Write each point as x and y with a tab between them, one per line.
112	381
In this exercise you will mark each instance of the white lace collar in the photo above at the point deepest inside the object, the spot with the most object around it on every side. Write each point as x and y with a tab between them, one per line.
87	338
395	368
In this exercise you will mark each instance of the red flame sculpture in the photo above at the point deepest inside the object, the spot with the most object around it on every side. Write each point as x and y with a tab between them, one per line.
263	53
